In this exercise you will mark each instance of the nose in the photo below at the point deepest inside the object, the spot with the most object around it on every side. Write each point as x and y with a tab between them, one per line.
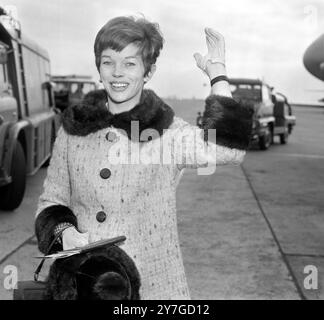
118	70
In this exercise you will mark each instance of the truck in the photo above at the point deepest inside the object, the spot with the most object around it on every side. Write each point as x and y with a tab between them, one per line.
71	89
273	115
29	120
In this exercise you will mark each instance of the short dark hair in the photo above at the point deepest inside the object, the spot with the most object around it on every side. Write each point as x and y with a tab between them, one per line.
119	32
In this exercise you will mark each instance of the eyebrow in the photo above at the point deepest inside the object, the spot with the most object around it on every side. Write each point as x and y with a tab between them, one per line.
107	56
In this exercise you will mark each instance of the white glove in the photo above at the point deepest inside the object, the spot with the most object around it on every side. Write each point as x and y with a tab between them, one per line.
72	238
216	50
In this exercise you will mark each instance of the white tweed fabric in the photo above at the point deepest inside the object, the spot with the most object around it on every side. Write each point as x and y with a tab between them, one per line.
138	199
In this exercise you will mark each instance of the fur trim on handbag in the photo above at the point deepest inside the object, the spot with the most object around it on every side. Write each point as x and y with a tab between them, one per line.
104	274
47	220
92	115
232	121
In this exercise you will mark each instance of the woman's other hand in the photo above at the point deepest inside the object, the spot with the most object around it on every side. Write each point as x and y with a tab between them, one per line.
72	238
212	63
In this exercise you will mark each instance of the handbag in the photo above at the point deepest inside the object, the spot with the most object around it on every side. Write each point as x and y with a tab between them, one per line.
34	289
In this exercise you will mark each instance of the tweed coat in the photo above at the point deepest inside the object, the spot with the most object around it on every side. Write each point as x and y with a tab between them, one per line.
94	183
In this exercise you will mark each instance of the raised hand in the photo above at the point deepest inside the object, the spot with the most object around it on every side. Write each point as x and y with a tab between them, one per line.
216	52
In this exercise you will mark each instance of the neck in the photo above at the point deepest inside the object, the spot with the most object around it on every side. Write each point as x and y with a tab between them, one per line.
115	107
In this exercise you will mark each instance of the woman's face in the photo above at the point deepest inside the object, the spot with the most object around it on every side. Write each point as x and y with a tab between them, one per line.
122	74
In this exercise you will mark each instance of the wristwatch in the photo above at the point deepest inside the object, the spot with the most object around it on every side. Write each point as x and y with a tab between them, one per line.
217	79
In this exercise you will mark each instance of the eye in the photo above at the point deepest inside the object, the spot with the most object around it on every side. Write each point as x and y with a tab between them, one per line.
107	62
130	64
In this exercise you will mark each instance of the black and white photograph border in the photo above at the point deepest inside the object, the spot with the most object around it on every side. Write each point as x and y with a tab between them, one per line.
252	231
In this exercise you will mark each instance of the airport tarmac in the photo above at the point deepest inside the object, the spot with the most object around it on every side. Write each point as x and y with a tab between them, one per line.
247	232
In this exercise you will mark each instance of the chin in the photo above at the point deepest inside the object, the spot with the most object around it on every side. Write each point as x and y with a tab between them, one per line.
123	97
119	97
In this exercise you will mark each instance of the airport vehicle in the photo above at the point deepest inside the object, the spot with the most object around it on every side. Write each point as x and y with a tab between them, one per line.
28	118
272	112
70	89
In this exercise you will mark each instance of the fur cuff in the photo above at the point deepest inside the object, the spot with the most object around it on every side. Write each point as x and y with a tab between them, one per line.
45	223
232	121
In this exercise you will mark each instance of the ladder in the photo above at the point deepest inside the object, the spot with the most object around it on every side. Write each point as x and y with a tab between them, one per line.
22	74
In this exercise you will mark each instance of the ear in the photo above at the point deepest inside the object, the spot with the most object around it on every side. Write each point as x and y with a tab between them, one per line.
150	74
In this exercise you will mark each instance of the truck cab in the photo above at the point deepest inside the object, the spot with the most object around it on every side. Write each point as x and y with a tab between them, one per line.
272	112
71	89
28	117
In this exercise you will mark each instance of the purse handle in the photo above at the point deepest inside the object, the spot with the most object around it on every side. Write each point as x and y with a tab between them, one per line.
39	268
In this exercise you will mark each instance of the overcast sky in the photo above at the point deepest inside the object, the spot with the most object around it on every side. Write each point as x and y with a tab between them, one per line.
264	38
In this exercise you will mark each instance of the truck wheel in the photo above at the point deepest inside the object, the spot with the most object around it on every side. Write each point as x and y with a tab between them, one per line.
13	193
266	140
284	138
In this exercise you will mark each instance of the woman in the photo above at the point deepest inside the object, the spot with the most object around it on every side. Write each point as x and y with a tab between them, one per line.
96	188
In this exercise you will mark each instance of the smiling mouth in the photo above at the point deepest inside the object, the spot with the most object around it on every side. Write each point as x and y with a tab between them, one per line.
119	85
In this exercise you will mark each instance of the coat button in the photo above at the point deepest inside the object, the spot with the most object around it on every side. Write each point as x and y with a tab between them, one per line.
101	216
111	136
105	173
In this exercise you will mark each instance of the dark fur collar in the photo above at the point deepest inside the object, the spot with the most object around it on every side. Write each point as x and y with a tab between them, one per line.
92	115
